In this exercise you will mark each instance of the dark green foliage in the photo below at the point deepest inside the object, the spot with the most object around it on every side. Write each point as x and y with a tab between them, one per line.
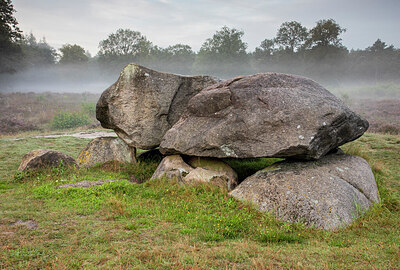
73	54
178	58
36	53
124	46
224	54
291	36
10	51
265	51
326	33
316	53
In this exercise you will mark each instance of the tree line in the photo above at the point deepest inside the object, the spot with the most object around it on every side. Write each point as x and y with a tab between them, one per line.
317	53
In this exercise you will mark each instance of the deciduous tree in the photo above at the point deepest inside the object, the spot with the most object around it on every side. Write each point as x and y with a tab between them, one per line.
326	33
124	44
37	53
224	54
73	54
291	36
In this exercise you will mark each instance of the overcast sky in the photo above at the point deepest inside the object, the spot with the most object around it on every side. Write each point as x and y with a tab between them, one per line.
167	22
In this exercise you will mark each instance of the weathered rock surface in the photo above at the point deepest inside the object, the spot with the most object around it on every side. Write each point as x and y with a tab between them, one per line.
171	167
104	149
211	165
328	193
42	158
200	170
143	104
263	115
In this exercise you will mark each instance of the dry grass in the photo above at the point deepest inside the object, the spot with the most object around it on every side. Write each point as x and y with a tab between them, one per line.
162	225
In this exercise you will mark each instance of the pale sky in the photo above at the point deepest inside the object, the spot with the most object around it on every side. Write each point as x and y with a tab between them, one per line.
168	22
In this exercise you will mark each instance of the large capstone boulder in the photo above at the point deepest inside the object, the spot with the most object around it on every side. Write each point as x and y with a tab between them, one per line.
263	115
143	104
104	149
196	170
328	193
43	158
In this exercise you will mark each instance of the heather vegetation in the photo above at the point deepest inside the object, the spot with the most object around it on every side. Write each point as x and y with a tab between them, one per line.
46	111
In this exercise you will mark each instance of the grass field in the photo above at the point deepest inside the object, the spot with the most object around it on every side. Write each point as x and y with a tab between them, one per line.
163	225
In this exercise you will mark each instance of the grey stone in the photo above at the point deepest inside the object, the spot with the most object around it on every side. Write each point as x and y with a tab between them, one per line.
43	158
328	193
195	170
104	149
143	104
263	115
207	168
172	167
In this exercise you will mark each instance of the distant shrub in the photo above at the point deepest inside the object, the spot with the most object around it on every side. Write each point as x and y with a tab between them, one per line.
65	119
89	108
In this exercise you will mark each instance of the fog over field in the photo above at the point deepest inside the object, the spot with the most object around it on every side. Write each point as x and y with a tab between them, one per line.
69	78
54	47
327	41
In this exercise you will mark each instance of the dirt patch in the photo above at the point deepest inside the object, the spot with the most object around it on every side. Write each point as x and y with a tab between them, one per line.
82	135
86	184
30	224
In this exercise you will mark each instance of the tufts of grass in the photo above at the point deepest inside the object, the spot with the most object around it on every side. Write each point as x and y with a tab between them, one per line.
280	237
381	152
162	224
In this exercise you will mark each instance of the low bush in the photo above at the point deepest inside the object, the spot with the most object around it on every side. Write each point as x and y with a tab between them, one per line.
89	108
65	119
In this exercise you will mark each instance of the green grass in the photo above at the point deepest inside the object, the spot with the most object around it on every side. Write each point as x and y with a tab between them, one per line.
163	225
66	120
